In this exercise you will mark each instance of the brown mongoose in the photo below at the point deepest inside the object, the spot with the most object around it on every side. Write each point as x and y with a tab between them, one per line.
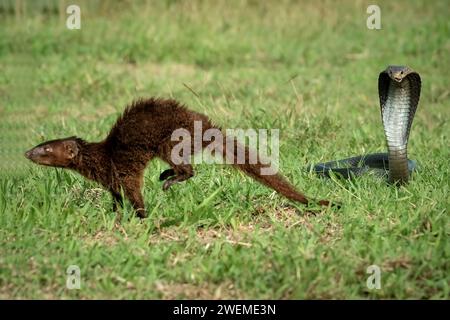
141	133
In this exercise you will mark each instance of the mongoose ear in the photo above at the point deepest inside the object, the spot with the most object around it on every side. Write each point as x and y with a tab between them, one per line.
71	148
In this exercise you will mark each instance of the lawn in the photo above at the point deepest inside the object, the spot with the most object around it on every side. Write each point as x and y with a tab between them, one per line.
307	68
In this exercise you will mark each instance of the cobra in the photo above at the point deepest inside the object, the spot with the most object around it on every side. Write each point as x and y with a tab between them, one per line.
399	92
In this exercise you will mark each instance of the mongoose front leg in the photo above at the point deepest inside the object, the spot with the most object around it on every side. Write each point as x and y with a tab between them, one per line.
136	199
132	189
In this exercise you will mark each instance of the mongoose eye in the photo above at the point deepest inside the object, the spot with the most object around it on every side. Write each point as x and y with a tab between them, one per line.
401	72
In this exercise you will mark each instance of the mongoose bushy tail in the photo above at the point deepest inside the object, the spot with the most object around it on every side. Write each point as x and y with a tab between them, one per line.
274	181
144	131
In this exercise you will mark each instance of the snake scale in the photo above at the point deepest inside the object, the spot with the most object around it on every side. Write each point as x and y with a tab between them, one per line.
399	92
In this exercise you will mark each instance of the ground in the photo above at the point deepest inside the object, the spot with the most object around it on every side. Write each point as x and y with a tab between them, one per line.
308	68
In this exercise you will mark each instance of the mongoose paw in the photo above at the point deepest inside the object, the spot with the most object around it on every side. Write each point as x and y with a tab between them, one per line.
166	174
141	213
167	184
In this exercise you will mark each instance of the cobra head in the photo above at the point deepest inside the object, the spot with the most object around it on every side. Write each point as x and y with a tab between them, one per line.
398	73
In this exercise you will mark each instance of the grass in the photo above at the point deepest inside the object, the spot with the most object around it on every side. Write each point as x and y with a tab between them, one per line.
307	68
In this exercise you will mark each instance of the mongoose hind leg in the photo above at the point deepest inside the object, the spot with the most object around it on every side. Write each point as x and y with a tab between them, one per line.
179	172
166	174
183	172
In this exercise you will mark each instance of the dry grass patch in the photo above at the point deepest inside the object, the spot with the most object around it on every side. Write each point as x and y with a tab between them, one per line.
243	233
102	237
209	291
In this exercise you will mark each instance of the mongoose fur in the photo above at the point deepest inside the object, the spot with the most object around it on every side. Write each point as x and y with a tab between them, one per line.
141	133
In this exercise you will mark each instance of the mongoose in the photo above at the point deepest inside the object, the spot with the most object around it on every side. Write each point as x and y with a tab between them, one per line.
141	133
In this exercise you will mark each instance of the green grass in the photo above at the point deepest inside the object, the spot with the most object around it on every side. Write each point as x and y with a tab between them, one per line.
307	68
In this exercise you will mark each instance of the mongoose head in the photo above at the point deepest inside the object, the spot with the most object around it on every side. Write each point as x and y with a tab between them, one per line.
54	153
397	73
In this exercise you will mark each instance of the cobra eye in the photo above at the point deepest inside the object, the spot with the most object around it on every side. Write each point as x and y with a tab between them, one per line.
47	149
